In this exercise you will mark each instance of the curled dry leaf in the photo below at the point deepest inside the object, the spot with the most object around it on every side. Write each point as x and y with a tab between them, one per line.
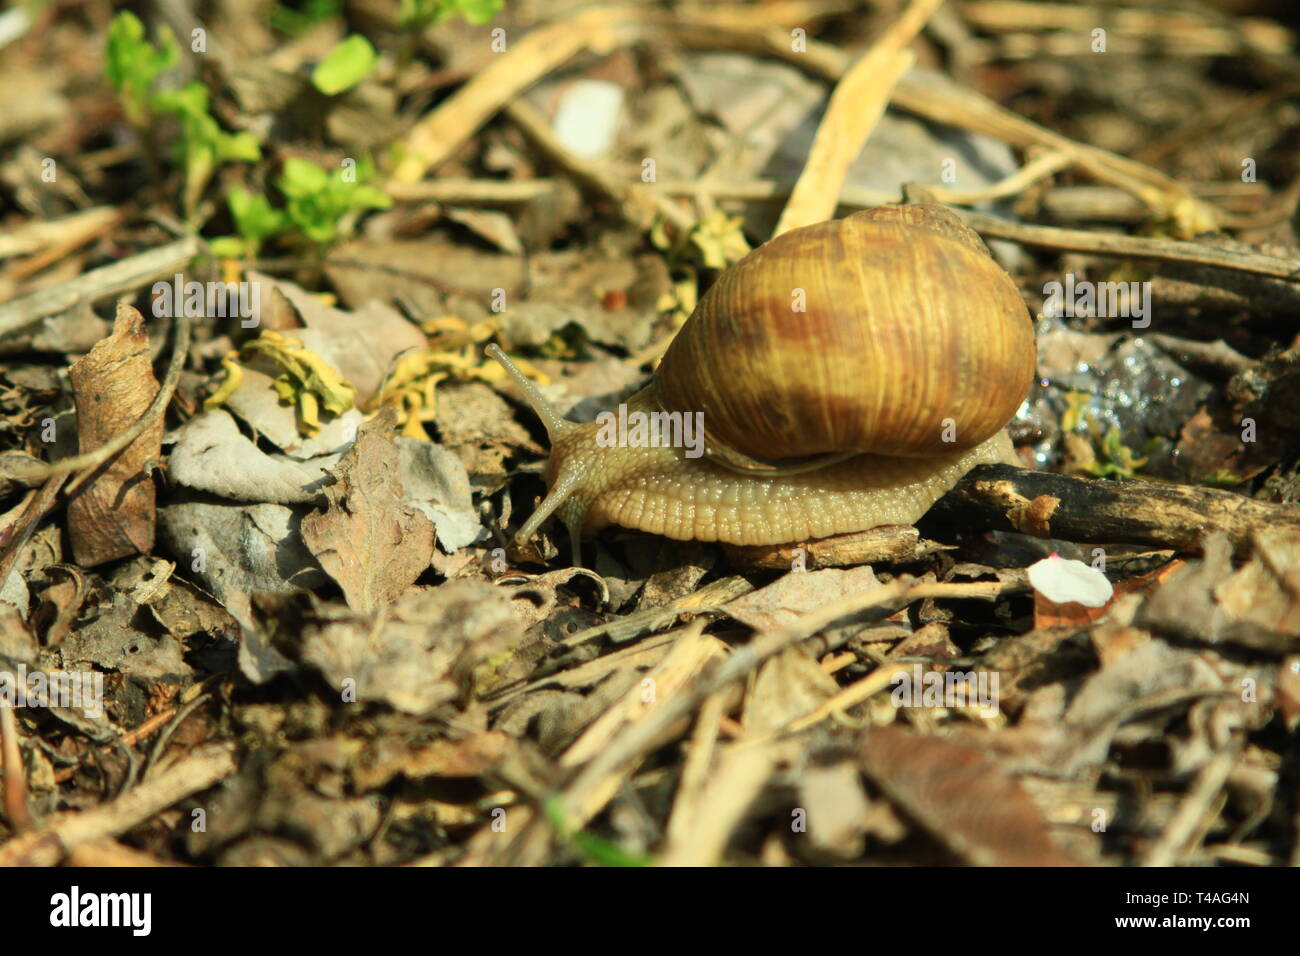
212	455
112	516
368	539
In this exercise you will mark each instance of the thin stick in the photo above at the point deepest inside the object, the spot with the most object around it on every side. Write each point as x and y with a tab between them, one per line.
638	206
1174	842
1139	247
498	192
856	105
638	738
61	835
97	284
434	138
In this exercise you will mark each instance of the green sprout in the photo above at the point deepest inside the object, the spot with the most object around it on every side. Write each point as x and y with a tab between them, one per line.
203	144
133	63
345	66
418	14
597	850
255	221
319	200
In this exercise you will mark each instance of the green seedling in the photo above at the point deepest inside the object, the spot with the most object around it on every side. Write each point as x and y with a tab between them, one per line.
345	66
133	63
255	221
319	200
418	14
313	13
203	144
596	849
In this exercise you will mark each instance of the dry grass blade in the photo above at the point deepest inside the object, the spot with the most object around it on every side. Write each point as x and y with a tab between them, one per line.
856	105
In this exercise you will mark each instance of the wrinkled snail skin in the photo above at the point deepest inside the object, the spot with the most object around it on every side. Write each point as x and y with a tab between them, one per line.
911	352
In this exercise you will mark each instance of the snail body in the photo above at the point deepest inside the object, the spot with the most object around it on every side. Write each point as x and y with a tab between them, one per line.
846	375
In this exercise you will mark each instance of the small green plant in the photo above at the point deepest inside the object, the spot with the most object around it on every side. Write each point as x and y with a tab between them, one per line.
345	66
319	204
133	63
319	200
255	220
418	14
1116	459
203	144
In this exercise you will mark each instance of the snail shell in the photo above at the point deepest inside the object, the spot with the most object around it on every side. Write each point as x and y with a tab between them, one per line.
892	331
849	373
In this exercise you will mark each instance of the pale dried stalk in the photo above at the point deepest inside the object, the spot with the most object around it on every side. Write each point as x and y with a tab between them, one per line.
726	798
15	779
695	769
98	284
856	106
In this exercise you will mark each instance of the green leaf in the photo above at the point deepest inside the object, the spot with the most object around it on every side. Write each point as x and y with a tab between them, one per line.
239	147
203	143
346	65
478	11
598	850
255	219
132	63
227	247
300	178
368	197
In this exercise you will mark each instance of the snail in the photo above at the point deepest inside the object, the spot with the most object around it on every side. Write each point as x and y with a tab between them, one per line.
847	374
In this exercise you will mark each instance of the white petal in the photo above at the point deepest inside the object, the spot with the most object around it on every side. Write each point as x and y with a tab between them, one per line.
1062	580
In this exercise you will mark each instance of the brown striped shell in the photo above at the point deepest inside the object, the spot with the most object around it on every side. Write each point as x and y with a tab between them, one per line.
891	331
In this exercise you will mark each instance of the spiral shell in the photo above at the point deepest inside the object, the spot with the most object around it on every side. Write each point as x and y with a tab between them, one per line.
891	331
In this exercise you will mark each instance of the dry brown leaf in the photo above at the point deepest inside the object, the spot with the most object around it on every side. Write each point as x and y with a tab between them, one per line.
962	797
782	602
113	515
430	647
1256	605
787	687
366	539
